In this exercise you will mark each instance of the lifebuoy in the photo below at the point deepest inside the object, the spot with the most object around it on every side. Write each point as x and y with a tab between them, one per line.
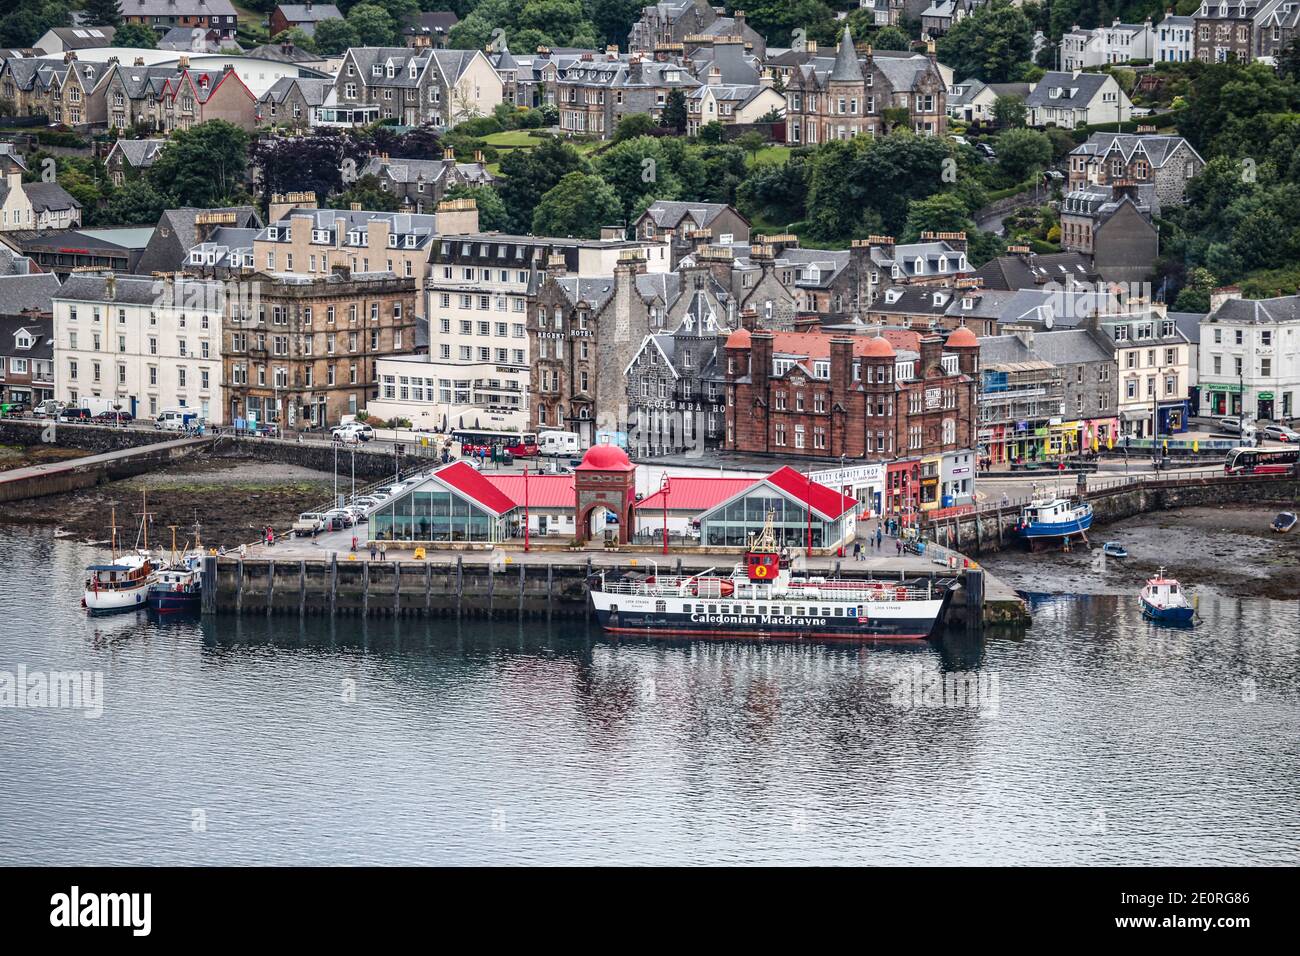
760	571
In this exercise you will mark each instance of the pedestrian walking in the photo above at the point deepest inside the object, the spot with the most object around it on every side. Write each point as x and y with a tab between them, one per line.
857	551
898	545
880	535
372	551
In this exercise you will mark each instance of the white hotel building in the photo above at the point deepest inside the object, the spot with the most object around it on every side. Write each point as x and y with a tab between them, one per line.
144	344
1250	358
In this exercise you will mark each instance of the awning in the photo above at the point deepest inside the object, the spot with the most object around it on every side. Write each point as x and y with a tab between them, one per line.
1131	415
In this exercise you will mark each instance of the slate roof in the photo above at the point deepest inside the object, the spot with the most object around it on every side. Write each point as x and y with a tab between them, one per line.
1157	148
313	91
47	197
302	13
138	153
19	293
1077	89
847	68
1189	323
40	329
1259	311
1012	272
668	214
1071	347
84	38
178	8
177	232
595	291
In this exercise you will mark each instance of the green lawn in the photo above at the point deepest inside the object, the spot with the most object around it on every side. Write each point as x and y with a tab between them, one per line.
512	139
771	154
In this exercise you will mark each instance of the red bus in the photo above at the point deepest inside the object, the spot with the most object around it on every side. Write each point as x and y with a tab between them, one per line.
476	440
1261	461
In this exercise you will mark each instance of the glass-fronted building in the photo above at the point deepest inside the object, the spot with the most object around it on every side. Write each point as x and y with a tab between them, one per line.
789	497
454	504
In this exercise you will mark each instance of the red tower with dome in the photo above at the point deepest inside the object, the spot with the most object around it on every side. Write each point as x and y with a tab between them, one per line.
605	479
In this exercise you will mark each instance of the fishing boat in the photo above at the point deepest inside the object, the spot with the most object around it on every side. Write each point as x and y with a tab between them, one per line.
1164	601
1284	522
762	598
1113	549
178	585
1048	519
121	584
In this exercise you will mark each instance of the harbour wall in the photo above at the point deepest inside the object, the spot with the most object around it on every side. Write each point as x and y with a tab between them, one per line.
93	438
451	586
994	529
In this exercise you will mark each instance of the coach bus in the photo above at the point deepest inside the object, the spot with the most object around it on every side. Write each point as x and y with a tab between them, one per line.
474	441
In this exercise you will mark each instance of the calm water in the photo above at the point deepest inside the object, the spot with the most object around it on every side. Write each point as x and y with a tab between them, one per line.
230	741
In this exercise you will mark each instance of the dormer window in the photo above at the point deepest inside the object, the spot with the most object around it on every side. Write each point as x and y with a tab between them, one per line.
392	240
413	71
272	233
377	70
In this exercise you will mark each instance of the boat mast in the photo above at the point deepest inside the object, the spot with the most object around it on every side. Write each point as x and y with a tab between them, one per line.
144	518
113	533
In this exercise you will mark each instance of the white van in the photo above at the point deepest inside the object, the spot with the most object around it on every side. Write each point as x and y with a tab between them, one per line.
558	443
173	419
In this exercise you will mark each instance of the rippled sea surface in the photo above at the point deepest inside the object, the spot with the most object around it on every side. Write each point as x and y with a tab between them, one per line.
1097	739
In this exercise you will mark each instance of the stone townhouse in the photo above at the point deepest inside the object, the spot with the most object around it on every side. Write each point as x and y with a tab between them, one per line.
166	98
419	184
303	350
418	86
129	158
596	91
1228	30
32	206
685	224
730	104
817	395
304	16
162	15
670	22
1114	226
1090	386
313	241
292	101
850	95
1166	162
675	385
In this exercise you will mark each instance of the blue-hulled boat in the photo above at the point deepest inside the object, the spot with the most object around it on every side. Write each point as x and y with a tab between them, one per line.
178	585
1165	602
1048	519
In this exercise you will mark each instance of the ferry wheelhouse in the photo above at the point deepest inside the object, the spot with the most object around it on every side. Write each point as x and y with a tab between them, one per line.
762	598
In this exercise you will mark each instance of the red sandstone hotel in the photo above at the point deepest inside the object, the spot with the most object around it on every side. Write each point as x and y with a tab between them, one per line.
876	396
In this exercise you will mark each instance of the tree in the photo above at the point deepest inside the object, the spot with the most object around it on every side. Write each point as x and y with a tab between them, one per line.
577	206
203	166
492	215
632	126
135	36
1195	296
136	203
710	132
751	142
942	212
891	38
992	44
102	13
778	19
1009	110
775	192
636	168
530	173
1023	152
367	192
298	37
301	164
674	112
373	25
334	36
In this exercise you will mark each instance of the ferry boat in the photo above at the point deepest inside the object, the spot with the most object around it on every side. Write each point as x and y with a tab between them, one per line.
1164	601
1048	518
123	583
761	598
178	586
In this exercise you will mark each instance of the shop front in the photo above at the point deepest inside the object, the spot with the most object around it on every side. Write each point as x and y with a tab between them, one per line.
1222	399
957	479
863	483
931	467
903	488
1173	416
1265	406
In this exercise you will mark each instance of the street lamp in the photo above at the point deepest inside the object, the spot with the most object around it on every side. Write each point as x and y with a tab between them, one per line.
664	490
527	546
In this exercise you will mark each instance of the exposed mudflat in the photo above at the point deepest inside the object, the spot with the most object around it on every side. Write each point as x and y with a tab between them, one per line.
232	499
1230	550
18	456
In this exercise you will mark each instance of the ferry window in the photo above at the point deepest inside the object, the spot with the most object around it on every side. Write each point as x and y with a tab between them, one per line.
826	612
801	611
661	607
789	611
839	612
713	609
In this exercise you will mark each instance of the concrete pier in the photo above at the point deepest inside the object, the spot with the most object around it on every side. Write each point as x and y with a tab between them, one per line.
55	478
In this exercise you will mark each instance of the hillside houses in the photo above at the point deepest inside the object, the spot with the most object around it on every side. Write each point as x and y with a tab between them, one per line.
418	86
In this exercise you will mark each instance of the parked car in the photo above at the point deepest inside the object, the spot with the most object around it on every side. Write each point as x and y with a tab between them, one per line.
17	406
308	523
352	432
1230	425
48	409
359	513
113	418
364	501
71	414
1280	433
342	515
987	150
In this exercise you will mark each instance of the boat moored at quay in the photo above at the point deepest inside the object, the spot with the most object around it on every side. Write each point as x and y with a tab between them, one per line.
1048	519
762	598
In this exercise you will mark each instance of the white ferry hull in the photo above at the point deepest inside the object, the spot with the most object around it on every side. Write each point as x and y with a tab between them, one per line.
793	619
